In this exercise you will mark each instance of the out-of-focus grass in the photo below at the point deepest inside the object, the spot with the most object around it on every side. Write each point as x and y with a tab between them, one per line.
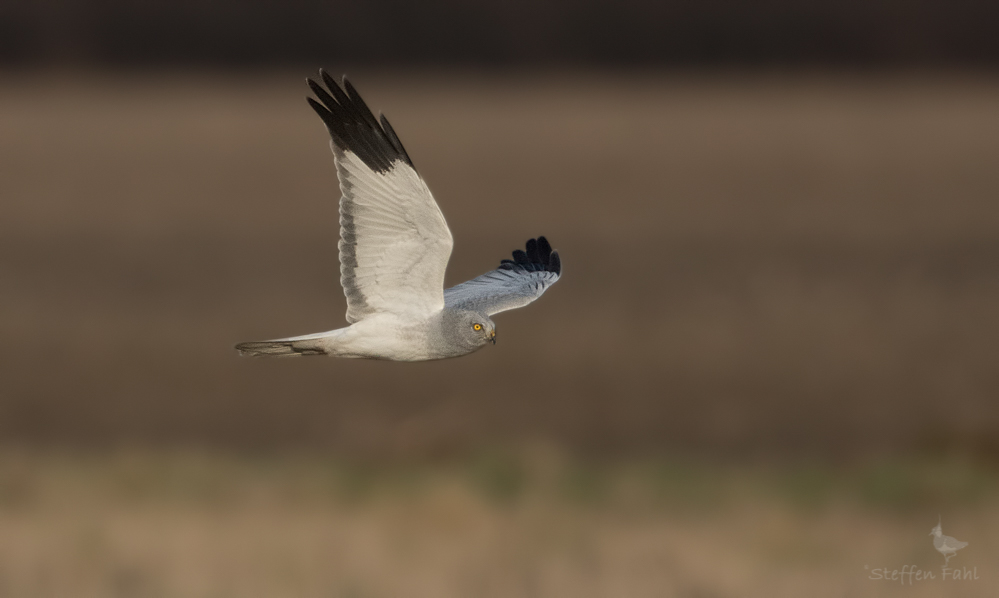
501	523
499	477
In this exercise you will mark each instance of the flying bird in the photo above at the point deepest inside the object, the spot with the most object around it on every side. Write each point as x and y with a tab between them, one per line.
945	545
394	247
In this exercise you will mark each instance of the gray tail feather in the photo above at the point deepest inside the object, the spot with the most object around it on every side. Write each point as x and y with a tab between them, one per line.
283	348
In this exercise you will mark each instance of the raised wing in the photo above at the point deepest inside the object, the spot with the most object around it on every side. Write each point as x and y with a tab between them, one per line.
514	284
394	242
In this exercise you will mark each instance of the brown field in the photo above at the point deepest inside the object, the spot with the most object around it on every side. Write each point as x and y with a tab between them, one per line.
752	264
771	360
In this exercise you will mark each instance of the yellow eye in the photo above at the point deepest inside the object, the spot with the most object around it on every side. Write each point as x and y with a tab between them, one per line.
477	327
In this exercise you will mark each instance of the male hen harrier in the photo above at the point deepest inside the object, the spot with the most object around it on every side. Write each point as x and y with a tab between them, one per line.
394	246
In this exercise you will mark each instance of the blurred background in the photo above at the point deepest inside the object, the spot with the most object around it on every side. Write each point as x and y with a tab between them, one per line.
768	369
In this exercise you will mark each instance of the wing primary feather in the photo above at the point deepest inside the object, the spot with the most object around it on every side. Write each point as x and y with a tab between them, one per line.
394	139
533	255
322	111
359	117
545	249
337	121
538	257
514	283
370	145
323	95
334	88
357	102
353	126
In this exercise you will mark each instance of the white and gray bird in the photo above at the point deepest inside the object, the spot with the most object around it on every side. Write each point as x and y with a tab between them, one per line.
945	545
394	247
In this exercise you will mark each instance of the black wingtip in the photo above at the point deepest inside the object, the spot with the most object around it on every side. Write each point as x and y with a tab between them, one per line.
532	251
318	107
352	125
538	257
544	248
555	263
328	79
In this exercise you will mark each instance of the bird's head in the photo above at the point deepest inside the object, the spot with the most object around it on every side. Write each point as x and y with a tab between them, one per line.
474	329
937	531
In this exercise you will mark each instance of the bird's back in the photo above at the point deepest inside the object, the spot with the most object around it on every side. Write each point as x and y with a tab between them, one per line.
948	544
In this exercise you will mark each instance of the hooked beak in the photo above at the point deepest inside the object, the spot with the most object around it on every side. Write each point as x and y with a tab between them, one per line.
492	337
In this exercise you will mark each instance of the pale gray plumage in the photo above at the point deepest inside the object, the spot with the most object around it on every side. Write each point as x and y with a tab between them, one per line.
394	248
512	285
945	545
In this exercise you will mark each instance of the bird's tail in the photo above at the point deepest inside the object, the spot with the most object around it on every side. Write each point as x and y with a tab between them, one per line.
310	344
278	349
